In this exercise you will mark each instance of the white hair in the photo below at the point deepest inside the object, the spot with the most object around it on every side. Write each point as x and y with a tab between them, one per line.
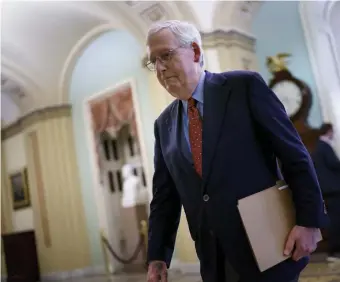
184	32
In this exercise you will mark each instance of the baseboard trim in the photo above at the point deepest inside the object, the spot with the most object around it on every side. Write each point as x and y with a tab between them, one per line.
176	266
82	272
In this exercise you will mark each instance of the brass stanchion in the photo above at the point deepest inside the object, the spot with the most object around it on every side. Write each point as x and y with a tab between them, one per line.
144	232
143	242
106	257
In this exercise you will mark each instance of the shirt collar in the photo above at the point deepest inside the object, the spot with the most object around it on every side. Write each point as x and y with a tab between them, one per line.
199	90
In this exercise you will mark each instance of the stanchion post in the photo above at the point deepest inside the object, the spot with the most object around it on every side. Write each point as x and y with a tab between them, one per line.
144	232
106	258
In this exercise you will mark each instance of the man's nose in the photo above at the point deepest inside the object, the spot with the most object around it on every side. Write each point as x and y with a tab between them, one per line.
160	66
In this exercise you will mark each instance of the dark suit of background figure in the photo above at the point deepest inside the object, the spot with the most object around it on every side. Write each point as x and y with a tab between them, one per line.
327	166
245	127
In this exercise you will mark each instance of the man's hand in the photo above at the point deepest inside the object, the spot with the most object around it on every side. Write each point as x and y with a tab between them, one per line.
157	272
301	242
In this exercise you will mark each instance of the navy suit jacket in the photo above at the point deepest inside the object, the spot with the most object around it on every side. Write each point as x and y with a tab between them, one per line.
245	127
327	167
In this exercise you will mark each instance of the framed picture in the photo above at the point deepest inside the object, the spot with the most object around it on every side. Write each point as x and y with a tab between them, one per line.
19	187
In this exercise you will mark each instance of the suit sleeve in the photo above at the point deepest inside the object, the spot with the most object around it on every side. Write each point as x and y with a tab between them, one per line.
297	166
165	210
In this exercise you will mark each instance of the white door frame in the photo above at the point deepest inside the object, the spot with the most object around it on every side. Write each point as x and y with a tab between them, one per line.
324	59
98	192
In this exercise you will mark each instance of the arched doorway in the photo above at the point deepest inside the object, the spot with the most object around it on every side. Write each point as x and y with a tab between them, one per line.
110	60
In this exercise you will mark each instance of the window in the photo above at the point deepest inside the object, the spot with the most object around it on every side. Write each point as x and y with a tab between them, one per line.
106	149
111	181
131	148
114	149
119	179
143	178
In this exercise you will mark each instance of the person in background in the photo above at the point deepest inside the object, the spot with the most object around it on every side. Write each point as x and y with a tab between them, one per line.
216	143
327	166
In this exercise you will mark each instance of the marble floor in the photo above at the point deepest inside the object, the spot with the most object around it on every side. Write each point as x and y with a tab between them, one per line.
315	272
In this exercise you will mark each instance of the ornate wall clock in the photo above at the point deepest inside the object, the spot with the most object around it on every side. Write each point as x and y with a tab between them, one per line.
296	97
292	92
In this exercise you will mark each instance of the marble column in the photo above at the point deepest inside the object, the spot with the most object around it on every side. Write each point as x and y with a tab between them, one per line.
235	50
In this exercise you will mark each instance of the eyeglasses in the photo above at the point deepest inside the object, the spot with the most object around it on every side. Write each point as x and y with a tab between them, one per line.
163	58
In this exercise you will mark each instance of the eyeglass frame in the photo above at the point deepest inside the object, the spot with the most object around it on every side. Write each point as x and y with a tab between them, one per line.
169	53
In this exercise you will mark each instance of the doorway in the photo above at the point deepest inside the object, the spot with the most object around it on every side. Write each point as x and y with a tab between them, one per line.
114	131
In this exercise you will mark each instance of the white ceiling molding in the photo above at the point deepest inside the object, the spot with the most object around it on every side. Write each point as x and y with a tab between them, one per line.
204	12
228	38
26	84
36	30
184	9
41	39
154	13
10	111
11	88
329	5
66	72
132	17
237	15
132	3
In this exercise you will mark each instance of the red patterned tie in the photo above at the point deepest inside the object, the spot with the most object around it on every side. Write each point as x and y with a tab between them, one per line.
195	134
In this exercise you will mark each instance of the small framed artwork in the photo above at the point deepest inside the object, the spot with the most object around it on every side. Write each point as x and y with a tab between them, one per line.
20	191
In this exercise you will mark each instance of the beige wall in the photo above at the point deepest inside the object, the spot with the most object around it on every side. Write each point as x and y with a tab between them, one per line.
46	145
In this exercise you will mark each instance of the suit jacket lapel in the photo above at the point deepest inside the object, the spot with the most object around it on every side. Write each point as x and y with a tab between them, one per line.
216	96
175	132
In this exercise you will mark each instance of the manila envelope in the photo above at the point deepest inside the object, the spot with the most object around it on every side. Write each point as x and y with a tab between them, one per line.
268	217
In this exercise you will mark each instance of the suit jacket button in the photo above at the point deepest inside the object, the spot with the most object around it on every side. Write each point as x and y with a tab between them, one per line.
206	198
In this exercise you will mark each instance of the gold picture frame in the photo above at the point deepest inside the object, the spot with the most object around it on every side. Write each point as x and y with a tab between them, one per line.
19	189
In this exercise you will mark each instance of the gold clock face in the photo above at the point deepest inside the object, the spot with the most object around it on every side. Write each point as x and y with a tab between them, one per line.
290	96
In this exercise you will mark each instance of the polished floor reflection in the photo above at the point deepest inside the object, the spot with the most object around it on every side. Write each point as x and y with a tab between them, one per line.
315	272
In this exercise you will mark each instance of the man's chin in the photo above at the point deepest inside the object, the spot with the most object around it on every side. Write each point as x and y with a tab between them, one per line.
172	89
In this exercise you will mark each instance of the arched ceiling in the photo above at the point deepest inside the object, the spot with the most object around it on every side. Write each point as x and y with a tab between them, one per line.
334	22
12	95
237	15
40	39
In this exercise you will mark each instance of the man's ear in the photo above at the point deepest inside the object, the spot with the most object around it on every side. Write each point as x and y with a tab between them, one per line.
197	52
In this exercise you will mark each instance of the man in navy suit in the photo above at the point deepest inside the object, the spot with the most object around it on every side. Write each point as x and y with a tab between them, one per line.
216	143
327	167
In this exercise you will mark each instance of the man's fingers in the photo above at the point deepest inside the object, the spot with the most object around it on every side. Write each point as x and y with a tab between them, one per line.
157	278
157	272
298	254
301	242
302	251
164	277
152	278
289	245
